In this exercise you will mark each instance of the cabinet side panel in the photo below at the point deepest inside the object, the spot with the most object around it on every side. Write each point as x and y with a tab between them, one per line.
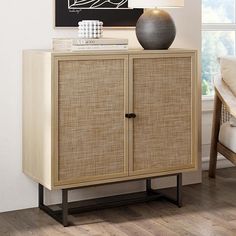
163	105
37	116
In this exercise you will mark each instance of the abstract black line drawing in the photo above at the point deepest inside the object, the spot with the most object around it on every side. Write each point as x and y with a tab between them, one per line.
93	4
113	13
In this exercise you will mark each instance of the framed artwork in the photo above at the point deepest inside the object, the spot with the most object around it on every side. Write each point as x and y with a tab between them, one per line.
113	13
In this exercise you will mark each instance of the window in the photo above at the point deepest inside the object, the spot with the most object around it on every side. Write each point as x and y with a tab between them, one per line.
218	38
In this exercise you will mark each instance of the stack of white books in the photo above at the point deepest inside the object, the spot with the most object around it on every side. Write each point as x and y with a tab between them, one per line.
78	44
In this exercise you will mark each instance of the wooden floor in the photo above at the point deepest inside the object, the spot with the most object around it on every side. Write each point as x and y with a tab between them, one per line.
209	209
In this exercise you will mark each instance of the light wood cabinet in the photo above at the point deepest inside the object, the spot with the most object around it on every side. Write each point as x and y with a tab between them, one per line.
75	129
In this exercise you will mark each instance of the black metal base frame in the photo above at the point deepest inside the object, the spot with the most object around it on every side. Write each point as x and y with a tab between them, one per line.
67	208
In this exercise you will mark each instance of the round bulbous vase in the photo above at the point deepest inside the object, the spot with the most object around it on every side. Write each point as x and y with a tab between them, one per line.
155	30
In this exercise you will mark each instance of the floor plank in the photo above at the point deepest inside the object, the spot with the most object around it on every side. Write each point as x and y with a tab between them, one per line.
209	210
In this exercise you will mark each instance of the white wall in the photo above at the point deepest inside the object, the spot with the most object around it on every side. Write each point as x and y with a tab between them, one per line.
29	24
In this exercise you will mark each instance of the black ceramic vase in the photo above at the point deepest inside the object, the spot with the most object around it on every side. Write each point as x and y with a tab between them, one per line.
155	30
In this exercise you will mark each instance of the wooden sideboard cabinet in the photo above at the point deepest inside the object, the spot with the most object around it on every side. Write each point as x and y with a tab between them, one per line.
103	117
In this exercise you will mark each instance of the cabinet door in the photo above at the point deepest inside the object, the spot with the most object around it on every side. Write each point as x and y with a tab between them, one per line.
162	95
90	109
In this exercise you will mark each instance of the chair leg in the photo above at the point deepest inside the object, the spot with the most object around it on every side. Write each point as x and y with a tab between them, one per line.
215	136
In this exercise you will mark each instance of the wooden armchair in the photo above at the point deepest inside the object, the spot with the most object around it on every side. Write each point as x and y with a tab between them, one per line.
225	107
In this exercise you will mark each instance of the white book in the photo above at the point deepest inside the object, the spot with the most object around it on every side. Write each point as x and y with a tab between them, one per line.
81	41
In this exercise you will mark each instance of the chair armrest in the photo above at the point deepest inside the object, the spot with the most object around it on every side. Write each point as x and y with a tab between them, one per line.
225	95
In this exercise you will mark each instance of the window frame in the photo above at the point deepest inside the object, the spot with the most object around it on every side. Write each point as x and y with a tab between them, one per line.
218	27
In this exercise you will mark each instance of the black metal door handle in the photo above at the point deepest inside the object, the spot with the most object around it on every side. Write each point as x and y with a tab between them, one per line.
130	115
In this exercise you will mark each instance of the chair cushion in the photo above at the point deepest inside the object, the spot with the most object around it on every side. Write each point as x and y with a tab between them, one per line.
228	71
227	136
232	121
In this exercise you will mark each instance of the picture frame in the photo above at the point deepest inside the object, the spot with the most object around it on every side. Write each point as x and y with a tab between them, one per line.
113	13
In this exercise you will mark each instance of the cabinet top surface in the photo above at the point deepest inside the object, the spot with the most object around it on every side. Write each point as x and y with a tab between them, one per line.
121	52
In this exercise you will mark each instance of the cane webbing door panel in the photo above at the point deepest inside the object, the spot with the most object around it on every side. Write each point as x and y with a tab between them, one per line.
92	130
161	95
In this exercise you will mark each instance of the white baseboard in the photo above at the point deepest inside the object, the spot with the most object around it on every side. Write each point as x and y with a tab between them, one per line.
221	163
